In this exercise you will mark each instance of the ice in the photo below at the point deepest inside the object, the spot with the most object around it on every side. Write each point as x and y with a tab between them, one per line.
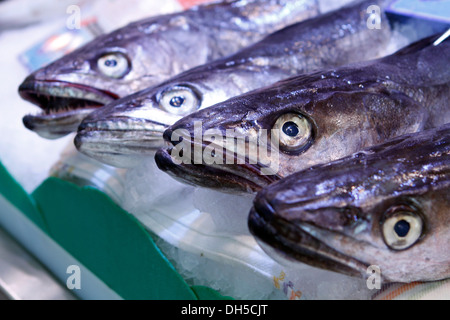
228	212
408	30
325	285
233	280
330	5
206	250
145	186
229	280
130	11
152	196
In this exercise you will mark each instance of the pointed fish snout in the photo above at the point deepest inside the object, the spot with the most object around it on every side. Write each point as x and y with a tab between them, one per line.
283	200
167	135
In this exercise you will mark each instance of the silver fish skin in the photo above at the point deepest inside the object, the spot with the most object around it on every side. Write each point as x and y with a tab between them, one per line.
147	52
386	206
126	129
319	117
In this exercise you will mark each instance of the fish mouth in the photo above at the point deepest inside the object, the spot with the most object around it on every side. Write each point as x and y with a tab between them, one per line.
122	142
230	178
64	105
290	243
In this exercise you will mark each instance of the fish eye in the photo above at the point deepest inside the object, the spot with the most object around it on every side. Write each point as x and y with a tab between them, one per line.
113	65
179	100
401	229
293	131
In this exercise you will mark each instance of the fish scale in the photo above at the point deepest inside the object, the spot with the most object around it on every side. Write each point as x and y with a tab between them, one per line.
344	118
329	40
407	174
150	51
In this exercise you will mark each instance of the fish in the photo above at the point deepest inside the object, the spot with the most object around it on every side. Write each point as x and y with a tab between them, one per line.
145	53
386	206
126	130
310	119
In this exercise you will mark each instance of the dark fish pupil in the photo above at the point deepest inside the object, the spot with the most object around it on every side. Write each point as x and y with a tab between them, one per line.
110	63
177	102
290	129
401	228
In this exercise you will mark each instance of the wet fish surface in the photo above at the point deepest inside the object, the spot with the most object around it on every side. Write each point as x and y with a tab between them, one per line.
316	118
133	126
148	52
387	206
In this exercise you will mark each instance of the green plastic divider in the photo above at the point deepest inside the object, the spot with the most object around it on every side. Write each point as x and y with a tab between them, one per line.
103	237
111	243
15	194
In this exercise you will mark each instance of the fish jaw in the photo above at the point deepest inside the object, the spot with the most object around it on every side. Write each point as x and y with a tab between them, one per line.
119	146
228	170
292	243
237	169
127	129
55	126
346	202
64	105
293	223
307	236
204	176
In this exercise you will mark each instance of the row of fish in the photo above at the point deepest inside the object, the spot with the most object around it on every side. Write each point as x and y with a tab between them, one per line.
359	139
387	206
147	52
296	49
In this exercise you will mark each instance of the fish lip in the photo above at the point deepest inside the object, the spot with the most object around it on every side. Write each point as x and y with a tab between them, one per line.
52	126
167	164
86	138
199	174
107	131
117	147
32	88
62	112
267	229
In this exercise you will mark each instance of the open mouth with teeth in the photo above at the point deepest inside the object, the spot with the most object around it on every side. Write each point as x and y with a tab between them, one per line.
64	105
290	242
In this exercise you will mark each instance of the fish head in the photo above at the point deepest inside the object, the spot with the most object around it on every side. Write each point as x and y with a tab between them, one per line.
230	130
109	67
362	211
124	131
293	125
